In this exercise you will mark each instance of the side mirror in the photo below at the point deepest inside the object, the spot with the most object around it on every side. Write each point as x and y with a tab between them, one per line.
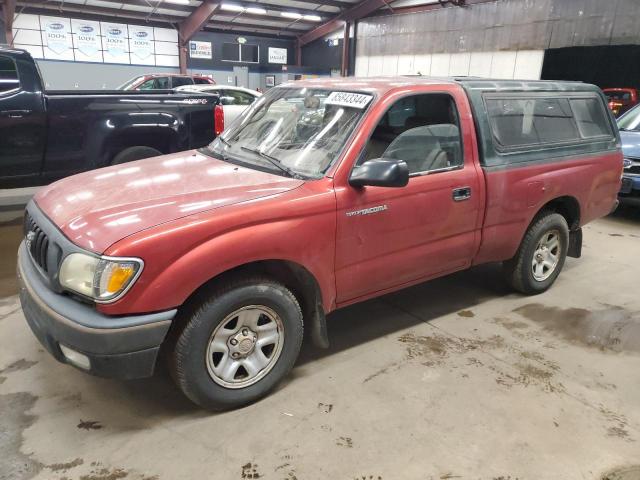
380	172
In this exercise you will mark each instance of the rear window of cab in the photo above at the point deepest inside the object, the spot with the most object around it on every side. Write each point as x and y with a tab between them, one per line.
521	122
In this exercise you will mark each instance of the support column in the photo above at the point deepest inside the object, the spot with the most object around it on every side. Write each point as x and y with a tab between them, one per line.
344	71
8	12
192	25
183	52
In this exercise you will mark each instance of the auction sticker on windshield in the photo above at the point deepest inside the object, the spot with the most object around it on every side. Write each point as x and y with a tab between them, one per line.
348	99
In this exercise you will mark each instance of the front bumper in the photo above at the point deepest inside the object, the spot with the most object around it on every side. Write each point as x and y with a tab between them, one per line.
630	191
117	347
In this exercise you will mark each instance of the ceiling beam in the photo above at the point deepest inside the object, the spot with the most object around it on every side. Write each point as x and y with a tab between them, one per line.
356	12
8	12
152	4
261	18
60	8
226	27
330	3
284	35
198	19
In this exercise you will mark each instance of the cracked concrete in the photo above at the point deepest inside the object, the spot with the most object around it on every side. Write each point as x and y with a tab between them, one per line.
456	378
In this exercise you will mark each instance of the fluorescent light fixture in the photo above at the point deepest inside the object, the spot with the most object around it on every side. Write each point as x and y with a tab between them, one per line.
179	2
294	15
312	18
232	8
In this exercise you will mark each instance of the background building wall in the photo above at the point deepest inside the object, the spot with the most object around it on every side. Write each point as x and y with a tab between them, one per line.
65	72
222	71
59	75
504	39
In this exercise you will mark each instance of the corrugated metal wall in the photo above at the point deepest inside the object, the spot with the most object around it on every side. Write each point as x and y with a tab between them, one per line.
494	28
504	25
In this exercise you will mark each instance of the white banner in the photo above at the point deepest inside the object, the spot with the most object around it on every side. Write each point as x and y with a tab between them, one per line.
86	39
115	42
141	44
57	35
200	50
73	39
278	55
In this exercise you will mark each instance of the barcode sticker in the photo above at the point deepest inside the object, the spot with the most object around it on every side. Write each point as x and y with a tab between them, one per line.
348	99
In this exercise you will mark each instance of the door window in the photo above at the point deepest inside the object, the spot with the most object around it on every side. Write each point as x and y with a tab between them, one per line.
422	130
243	98
179	81
148	85
201	81
161	83
235	97
8	75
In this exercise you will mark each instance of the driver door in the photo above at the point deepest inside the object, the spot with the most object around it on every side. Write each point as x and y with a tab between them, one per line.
390	237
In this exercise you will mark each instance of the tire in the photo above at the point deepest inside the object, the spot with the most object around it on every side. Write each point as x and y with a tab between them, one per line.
220	318
134	153
521	272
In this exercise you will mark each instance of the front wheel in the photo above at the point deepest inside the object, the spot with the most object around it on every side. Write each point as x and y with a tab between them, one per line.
237	344
541	255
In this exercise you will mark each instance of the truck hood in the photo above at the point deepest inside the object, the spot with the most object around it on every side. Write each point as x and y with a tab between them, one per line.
630	143
96	209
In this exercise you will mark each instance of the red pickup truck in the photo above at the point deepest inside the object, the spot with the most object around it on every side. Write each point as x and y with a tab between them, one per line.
322	194
621	100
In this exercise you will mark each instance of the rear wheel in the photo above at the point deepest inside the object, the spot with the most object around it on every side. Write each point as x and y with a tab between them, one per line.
134	153
541	255
237	344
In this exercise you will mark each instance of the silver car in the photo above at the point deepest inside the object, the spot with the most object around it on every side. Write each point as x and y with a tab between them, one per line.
234	100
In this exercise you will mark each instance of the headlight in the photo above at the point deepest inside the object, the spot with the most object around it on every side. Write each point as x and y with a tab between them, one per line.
102	278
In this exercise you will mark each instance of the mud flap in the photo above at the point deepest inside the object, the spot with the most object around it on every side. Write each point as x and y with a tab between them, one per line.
319	335
575	243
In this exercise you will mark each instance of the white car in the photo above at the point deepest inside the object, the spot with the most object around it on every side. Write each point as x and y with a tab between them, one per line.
234	100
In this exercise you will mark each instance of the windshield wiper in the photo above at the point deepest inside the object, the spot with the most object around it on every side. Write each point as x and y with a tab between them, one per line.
273	160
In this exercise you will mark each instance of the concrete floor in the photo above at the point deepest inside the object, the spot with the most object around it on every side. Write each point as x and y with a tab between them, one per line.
456	378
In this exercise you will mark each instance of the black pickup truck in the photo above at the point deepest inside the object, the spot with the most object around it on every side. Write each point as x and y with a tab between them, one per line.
47	135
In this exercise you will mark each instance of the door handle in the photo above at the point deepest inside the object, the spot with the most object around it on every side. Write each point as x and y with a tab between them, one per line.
16	113
461	194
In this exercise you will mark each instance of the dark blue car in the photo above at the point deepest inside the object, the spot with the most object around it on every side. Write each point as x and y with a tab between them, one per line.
629	125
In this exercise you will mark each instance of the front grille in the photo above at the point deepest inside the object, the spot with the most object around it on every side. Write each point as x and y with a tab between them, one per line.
37	242
634	168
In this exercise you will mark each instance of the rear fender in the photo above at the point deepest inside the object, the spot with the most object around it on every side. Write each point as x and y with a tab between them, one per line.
119	131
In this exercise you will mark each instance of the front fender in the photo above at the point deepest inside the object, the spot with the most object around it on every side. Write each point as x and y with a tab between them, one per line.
181	258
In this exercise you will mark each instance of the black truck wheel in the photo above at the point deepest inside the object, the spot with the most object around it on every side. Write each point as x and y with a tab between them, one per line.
541	255
237	344
134	153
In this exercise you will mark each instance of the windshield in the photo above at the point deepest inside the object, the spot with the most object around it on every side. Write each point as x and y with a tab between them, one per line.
129	83
295	131
630	120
